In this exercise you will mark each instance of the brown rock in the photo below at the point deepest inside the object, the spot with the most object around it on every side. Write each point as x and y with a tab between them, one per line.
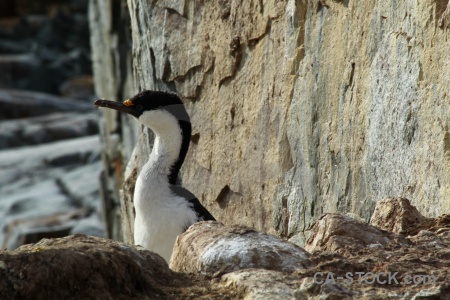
332	232
424	259
212	248
87	267
399	216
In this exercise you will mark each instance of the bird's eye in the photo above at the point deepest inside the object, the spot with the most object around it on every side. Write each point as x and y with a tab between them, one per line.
139	107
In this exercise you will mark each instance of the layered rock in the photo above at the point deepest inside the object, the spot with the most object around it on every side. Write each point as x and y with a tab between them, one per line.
31	118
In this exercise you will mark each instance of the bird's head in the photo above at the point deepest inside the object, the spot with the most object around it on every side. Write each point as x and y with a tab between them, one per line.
154	109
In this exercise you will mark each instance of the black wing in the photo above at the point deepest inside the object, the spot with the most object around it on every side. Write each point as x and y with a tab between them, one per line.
202	213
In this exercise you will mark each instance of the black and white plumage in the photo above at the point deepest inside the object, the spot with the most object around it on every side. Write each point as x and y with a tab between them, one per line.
163	209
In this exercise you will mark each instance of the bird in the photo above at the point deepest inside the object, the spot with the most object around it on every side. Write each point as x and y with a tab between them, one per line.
163	209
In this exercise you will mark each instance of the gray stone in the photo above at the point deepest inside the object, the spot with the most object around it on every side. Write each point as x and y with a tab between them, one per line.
113	79
81	185
215	249
26	207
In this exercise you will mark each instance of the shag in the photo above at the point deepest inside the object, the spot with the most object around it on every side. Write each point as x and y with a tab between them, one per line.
163	209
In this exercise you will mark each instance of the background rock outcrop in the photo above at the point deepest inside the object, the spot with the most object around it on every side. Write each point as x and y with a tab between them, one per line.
44	46
49	168
49	148
298	107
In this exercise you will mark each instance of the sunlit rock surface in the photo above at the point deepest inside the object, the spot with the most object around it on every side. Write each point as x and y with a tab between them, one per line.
212	248
298	108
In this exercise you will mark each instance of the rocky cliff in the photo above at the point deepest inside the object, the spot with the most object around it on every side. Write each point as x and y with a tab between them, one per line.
298	107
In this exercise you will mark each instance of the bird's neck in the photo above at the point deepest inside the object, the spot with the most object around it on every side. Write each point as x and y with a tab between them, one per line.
168	153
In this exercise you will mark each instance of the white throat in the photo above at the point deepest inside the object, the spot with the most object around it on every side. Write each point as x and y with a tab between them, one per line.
167	144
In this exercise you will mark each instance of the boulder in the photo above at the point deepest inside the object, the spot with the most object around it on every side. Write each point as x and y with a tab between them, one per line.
214	249
257	284
83	267
333	232
399	216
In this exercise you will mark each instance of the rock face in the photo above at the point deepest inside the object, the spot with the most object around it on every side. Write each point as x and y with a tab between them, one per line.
111	62
298	107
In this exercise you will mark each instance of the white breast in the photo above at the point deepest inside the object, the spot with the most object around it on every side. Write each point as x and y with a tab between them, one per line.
160	215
